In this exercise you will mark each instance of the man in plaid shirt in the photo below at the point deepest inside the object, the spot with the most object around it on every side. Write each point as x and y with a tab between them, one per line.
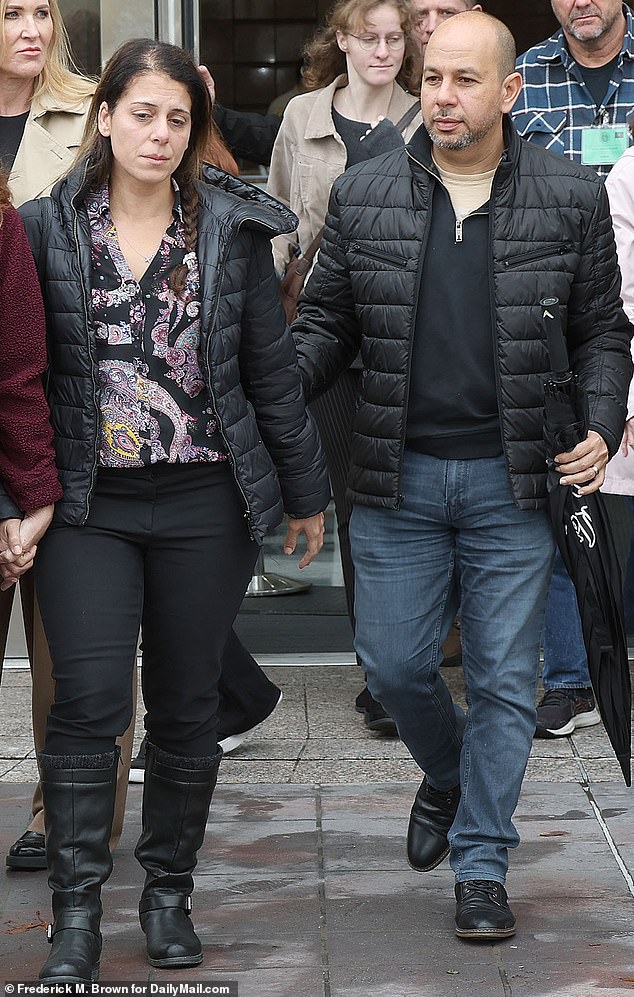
579	84
578	89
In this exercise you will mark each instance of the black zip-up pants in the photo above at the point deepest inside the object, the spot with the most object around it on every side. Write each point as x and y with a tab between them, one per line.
165	547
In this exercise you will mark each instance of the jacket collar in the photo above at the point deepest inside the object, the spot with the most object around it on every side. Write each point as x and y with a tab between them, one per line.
235	200
419	150
47	104
232	200
320	123
555	48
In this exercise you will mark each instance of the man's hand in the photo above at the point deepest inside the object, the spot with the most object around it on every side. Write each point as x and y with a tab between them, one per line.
313	529
585	465
208	81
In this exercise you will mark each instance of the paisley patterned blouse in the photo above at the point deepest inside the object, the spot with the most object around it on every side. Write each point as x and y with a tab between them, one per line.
153	399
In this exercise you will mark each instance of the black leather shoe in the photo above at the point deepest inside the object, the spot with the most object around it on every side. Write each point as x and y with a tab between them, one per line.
432	815
374	716
28	852
482	911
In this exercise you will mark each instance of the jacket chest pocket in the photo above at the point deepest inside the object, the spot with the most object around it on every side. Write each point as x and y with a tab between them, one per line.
360	253
312	182
302	184
544	128
535	255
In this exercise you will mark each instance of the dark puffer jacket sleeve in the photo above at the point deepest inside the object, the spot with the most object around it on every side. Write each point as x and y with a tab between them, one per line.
326	333
271	382
27	458
248	134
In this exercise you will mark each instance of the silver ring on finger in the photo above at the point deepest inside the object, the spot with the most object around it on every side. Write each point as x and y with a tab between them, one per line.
595	469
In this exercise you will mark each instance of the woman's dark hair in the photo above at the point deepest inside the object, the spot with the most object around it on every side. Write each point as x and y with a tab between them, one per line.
138	58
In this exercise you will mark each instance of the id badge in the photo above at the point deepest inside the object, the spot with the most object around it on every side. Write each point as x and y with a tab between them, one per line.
604	145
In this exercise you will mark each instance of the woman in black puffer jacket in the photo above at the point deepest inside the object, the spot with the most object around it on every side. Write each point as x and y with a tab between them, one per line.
182	437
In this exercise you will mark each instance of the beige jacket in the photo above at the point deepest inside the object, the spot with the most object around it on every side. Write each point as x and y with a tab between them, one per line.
52	135
309	155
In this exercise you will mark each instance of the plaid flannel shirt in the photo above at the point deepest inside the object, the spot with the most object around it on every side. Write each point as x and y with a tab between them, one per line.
555	105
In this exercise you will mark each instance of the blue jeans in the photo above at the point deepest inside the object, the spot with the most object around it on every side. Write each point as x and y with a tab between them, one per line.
457	521
565	661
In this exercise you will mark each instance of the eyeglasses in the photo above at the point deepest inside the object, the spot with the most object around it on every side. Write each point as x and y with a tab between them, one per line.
371	42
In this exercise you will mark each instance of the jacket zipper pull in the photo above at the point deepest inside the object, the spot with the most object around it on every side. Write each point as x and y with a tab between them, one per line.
458	229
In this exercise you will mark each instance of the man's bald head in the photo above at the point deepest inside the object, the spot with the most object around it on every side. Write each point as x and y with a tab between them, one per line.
469	84
480	29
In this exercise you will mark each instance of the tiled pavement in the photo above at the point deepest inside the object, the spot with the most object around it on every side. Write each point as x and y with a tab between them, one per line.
302	885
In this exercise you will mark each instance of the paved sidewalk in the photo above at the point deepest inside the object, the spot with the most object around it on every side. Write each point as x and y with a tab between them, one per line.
303	888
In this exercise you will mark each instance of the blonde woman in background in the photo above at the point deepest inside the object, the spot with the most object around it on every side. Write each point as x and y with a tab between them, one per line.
43	103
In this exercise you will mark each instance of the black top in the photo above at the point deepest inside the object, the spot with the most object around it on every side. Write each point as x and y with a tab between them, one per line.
597	79
363	143
11	132
453	409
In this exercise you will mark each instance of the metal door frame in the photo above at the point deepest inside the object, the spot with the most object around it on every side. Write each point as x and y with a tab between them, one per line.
175	21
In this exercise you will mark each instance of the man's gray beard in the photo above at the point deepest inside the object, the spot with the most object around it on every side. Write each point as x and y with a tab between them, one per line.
445	142
598	32
469	138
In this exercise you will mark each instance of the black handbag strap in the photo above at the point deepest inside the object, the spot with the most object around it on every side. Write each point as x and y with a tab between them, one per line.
408	117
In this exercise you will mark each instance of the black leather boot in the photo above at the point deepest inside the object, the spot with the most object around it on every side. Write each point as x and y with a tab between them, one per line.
432	815
177	792
78	793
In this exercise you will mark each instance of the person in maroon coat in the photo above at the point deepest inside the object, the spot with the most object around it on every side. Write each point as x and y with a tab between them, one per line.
29	485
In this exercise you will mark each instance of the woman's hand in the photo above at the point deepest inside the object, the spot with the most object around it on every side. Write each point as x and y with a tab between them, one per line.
208	80
18	543
313	529
35	524
627	443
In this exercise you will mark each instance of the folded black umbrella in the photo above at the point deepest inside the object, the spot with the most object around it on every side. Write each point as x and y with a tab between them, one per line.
587	547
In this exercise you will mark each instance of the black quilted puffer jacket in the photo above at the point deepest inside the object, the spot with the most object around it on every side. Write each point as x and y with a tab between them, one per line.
247	353
550	236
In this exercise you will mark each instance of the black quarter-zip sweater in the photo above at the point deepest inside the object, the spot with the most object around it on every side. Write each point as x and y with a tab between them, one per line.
452	409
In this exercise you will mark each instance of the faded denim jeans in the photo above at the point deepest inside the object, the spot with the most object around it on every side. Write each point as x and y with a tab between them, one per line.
457	526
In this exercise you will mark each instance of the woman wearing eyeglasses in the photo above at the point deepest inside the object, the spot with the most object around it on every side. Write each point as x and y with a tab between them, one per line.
358	71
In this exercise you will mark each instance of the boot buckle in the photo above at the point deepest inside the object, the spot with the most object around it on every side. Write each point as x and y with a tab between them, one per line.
188	905
49	933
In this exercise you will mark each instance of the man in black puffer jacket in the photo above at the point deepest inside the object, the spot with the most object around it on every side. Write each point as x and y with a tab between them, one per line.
434	262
